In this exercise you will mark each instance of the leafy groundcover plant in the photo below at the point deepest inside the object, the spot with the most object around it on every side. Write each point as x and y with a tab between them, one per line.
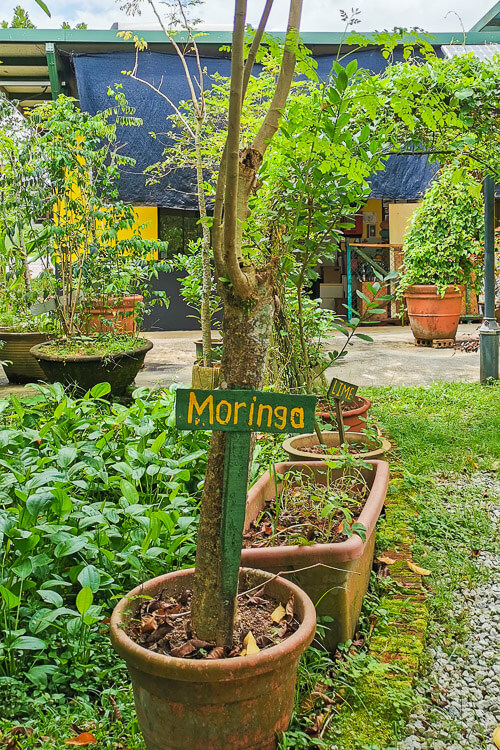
94	496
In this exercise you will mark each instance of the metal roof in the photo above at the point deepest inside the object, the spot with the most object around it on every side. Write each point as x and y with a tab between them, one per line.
36	64
490	21
481	51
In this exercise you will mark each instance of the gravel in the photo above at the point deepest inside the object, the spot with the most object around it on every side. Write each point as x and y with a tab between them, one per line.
465	681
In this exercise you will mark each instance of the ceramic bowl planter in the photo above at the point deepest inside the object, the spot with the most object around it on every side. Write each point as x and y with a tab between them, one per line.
85	371
16	349
338	590
216	348
218	704
354	418
433	317
116	315
296	446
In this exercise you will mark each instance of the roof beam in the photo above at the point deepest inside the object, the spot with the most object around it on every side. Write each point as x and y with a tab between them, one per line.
55	83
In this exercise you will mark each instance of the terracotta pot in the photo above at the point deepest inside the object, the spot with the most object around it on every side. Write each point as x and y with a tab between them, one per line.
433	317
216	704
216	347
16	349
337	591
294	446
354	418
120	312
81	371
205	378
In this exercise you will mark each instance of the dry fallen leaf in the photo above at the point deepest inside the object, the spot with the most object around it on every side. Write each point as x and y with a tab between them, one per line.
250	645
82	740
418	570
496	737
278	614
385	559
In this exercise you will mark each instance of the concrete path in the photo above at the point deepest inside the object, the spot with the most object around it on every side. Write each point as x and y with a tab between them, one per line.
392	359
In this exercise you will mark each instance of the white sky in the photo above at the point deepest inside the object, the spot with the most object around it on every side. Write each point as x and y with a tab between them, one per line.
318	15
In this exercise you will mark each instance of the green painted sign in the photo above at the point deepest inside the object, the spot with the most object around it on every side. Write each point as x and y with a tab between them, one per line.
243	411
341	390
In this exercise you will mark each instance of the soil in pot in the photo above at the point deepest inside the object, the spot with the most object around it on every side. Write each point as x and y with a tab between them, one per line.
305	512
16	349
307	446
335	575
83	362
240	703
162	624
354	415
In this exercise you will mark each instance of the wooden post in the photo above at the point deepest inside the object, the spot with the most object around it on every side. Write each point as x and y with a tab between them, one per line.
340	421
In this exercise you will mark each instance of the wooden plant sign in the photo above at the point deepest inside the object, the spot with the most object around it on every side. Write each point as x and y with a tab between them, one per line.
239	413
341	392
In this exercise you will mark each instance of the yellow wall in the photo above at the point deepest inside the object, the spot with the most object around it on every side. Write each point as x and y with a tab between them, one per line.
146	215
373	205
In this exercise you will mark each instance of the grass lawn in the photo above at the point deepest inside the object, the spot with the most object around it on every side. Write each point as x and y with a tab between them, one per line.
441	431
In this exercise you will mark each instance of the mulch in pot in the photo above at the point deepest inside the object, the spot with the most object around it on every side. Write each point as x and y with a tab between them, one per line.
306	512
163	625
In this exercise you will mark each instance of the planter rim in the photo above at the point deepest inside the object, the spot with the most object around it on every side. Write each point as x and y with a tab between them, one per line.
7	331
218	342
126	298
349	549
38	352
431	289
353	412
210	670
371	454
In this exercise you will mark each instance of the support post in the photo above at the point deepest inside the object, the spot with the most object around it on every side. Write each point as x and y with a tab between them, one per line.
340	420
349	279
489	330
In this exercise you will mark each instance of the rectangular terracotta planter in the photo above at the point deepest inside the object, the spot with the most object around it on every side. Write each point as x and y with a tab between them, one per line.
337	591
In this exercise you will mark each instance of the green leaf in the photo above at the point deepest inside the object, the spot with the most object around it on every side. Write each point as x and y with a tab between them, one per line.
129	491
28	643
23	568
66	456
10	599
38	675
90	578
100	390
70	546
42	5
364	336
84	599
51	597
158	442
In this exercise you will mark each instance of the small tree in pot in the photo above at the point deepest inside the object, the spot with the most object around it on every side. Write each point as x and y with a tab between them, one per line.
442	253
94	242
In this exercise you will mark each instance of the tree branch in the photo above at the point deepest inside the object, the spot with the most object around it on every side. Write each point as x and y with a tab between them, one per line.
273	116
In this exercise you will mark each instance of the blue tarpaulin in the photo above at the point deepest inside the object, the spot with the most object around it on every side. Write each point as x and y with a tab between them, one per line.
405	177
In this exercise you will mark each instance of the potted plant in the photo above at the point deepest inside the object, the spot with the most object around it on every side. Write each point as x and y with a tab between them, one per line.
292	512
441	252
211	701
308	447
25	279
95	244
193	291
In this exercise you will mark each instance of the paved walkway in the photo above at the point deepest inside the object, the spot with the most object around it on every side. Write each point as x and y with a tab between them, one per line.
391	359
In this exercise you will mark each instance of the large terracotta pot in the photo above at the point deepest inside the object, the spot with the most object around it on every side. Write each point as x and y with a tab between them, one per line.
433	317
16	349
118	369
217	704
354	418
295	446
119	312
338	588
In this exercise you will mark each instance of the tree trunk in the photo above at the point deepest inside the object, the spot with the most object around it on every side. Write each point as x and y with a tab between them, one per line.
205	317
246	333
